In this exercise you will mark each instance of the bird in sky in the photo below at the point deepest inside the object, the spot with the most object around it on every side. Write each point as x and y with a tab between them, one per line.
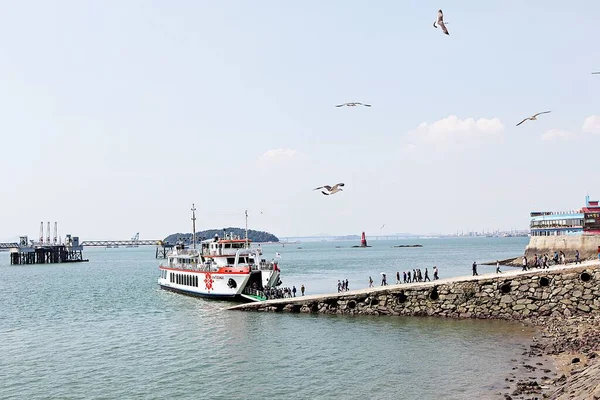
353	105
382	226
440	22
595	73
533	117
330	189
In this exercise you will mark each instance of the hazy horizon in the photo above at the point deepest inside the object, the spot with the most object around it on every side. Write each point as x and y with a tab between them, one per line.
117	116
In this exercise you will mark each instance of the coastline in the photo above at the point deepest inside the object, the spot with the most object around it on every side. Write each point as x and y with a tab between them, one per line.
562	361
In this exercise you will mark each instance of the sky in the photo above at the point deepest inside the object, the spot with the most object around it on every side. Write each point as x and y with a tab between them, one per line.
116	116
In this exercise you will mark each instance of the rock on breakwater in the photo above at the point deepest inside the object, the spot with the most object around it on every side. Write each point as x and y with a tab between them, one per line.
514	295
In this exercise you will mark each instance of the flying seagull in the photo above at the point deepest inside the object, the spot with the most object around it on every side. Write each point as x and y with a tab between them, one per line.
440	22
353	105
331	189
382	226
595	73
533	117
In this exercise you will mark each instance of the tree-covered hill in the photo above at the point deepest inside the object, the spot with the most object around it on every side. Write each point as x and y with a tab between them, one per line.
255	236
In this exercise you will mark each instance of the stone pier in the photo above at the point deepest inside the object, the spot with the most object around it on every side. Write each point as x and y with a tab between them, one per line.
513	295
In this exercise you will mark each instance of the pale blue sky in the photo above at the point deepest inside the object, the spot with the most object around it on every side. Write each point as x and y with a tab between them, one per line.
117	115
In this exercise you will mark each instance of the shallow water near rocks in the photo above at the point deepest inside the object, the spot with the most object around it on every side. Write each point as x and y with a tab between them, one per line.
104	329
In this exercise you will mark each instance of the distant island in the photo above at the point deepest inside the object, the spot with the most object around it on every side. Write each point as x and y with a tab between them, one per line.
255	236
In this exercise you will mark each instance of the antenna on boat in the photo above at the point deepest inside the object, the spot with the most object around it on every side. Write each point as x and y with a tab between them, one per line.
193	226
247	246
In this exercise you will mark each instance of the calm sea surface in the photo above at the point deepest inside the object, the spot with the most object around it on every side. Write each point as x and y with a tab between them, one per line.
103	329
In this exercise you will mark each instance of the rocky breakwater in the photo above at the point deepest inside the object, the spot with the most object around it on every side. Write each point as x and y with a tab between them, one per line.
514	295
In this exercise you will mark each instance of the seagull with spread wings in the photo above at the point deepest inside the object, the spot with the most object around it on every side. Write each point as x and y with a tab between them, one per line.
330	189
533	117
353	105
595	73
440	22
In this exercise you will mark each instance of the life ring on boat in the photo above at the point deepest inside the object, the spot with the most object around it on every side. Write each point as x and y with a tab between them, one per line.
232	283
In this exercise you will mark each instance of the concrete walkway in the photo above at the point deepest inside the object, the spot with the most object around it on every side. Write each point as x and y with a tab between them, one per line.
417	285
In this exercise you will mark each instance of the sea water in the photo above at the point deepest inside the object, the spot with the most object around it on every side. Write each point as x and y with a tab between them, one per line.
104	329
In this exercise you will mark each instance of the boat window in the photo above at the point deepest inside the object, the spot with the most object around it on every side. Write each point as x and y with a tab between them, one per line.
230	260
242	260
227	245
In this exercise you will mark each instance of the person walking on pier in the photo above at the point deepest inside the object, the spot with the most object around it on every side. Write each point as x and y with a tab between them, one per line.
404	276
346	285
435	273
370	282
498	267
475	269
383	281
339	286
408	280
397	277
524	264
302	289
562	257
414	279
426	276
577	260
294	290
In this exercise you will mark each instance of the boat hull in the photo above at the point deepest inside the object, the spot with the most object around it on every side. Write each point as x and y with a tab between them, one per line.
216	296
203	284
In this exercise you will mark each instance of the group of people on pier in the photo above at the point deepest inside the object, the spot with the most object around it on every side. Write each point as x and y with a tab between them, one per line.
409	277
342	286
544	261
282	293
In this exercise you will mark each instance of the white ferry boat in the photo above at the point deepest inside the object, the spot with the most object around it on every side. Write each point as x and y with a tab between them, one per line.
227	268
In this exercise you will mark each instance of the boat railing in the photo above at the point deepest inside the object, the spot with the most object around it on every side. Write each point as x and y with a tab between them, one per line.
254	292
262	266
183	252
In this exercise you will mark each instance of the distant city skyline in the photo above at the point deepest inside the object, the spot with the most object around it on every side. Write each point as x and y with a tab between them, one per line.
117	117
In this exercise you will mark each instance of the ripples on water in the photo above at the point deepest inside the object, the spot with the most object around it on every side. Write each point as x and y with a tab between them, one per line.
104	330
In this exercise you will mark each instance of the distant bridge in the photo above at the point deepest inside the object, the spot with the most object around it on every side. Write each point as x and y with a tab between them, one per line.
8	245
125	243
348	239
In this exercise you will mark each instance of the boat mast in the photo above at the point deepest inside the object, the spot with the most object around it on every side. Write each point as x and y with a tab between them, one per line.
247	245
193	226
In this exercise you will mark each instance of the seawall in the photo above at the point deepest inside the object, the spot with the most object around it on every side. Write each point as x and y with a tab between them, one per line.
586	244
513	295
